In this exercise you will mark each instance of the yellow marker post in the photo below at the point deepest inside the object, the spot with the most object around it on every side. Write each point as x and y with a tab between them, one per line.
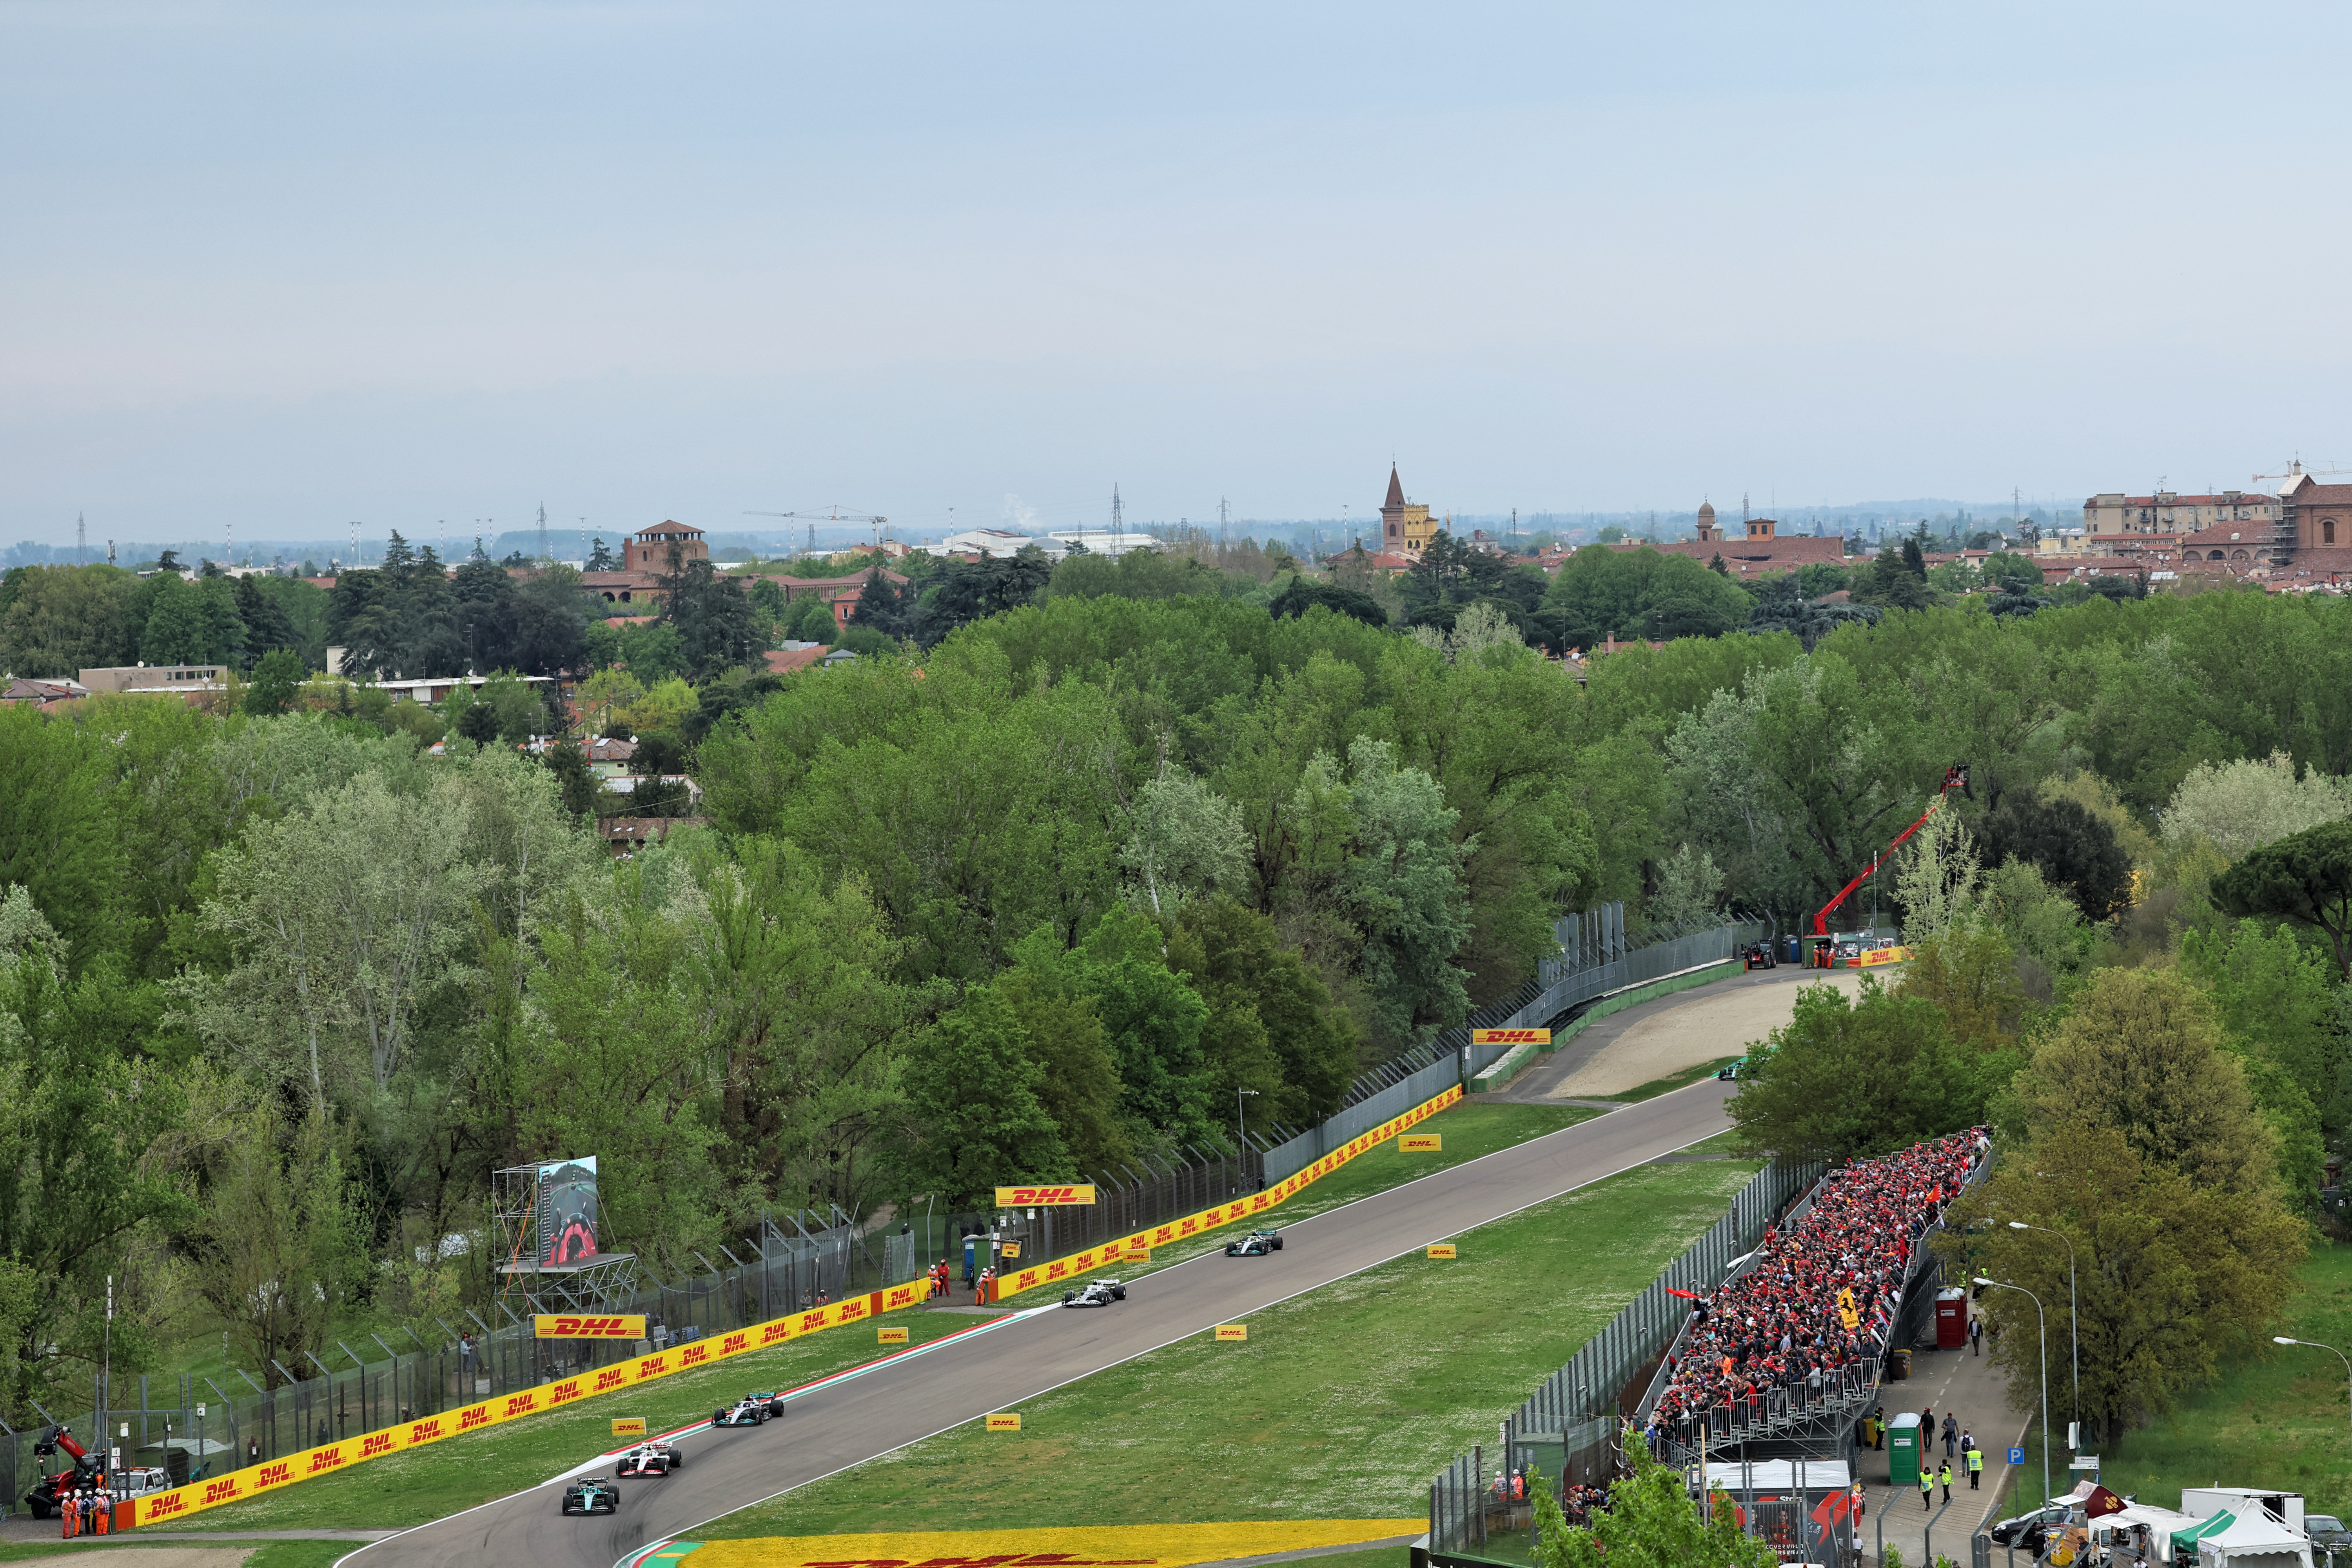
628	1425
1233	1331
1008	1423
1441	1249
1422	1143
890	1336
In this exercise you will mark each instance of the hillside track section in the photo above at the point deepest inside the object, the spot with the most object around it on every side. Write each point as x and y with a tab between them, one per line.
845	1422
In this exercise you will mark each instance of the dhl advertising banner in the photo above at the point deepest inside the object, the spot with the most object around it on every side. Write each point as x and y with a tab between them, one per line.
255	1480
1117	1251
576	1326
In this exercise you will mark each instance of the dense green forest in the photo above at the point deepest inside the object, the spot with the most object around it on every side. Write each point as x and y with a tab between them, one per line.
1069	859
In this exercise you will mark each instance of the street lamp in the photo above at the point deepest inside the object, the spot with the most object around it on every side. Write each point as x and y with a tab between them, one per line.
2043	1319
2073	1329
2314	1344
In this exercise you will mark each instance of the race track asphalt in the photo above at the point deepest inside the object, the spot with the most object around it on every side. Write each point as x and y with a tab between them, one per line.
843	1423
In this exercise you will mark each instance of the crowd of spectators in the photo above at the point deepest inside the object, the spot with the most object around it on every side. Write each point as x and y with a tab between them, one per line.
1782	1322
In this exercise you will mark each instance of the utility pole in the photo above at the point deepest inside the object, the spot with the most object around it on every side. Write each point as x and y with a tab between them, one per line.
81	540
544	553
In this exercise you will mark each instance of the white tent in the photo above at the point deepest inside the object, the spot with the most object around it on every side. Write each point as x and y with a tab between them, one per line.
2254	1540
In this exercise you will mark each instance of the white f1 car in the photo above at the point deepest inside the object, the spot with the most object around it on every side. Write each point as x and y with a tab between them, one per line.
650	1460
1095	1293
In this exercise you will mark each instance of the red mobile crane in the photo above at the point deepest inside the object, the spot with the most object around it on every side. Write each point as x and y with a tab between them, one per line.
1955	777
47	1496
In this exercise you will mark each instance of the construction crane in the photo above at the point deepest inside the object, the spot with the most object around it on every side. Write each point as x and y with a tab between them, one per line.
1955	778
830	514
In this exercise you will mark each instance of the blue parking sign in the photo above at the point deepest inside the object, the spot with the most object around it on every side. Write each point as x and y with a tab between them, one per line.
2017	1456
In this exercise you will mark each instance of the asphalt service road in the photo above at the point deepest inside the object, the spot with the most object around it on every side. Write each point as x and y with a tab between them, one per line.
844	1422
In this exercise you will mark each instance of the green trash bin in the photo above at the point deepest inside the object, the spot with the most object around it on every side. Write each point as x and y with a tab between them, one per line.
1903	1450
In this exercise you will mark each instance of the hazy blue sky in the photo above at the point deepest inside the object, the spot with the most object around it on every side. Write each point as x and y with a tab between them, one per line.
292	265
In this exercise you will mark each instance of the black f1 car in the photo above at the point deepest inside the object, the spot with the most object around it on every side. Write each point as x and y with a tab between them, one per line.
742	1413
1257	1244
592	1496
1095	1293
650	1460
772	1400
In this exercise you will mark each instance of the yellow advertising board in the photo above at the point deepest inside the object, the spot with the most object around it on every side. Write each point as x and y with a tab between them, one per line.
1080	1194
1870	958
1009	1422
1125	1249
1422	1143
1008	1249
1510	1036
254	1480
1441	1249
588	1326
890	1336
628	1425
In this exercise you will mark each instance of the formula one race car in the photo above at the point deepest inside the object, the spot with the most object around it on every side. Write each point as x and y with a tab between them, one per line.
772	1400
742	1413
1095	1293
650	1460
592	1496
1257	1244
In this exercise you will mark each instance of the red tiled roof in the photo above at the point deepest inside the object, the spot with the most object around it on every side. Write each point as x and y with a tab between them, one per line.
785	660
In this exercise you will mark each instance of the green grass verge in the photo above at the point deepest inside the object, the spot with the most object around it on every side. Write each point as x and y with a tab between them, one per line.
1673	1082
266	1553
2279	1420
423	1484
1342	1404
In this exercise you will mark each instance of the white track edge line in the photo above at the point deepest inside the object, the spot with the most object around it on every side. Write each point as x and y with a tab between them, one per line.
630	1558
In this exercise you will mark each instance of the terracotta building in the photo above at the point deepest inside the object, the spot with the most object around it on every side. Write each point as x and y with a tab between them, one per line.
646	558
1405	527
1759	550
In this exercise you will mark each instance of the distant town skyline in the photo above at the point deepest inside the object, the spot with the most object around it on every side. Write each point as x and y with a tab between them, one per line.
284	268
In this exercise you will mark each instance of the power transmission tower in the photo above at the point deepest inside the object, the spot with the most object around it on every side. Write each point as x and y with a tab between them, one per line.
81	541
542	534
1118	519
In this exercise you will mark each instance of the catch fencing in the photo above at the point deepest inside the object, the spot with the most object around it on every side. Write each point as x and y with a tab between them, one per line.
195	1426
1597	957
1568	1429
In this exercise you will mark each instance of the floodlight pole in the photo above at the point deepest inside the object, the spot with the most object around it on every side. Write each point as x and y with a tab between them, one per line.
2043	1319
1240	1114
2314	1344
2073	1324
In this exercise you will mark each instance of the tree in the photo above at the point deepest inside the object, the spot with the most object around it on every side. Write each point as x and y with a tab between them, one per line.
1642	593
1937	876
1304	593
56	838
1969	974
1843	1080
1652	1521
1273	1026
1897	579
2141	1052
342	917
280	1249
713	616
1081	1088
276	680
2241	806
600	559
268	627
972	590
2076	851
976	1094
62	620
1688	886
1184	839
2171	1274
1152	1023
2305	878
1403	885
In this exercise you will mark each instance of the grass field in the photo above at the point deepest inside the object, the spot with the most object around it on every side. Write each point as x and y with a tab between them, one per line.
1341	1404
428	1483
1672	1081
2281	1421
